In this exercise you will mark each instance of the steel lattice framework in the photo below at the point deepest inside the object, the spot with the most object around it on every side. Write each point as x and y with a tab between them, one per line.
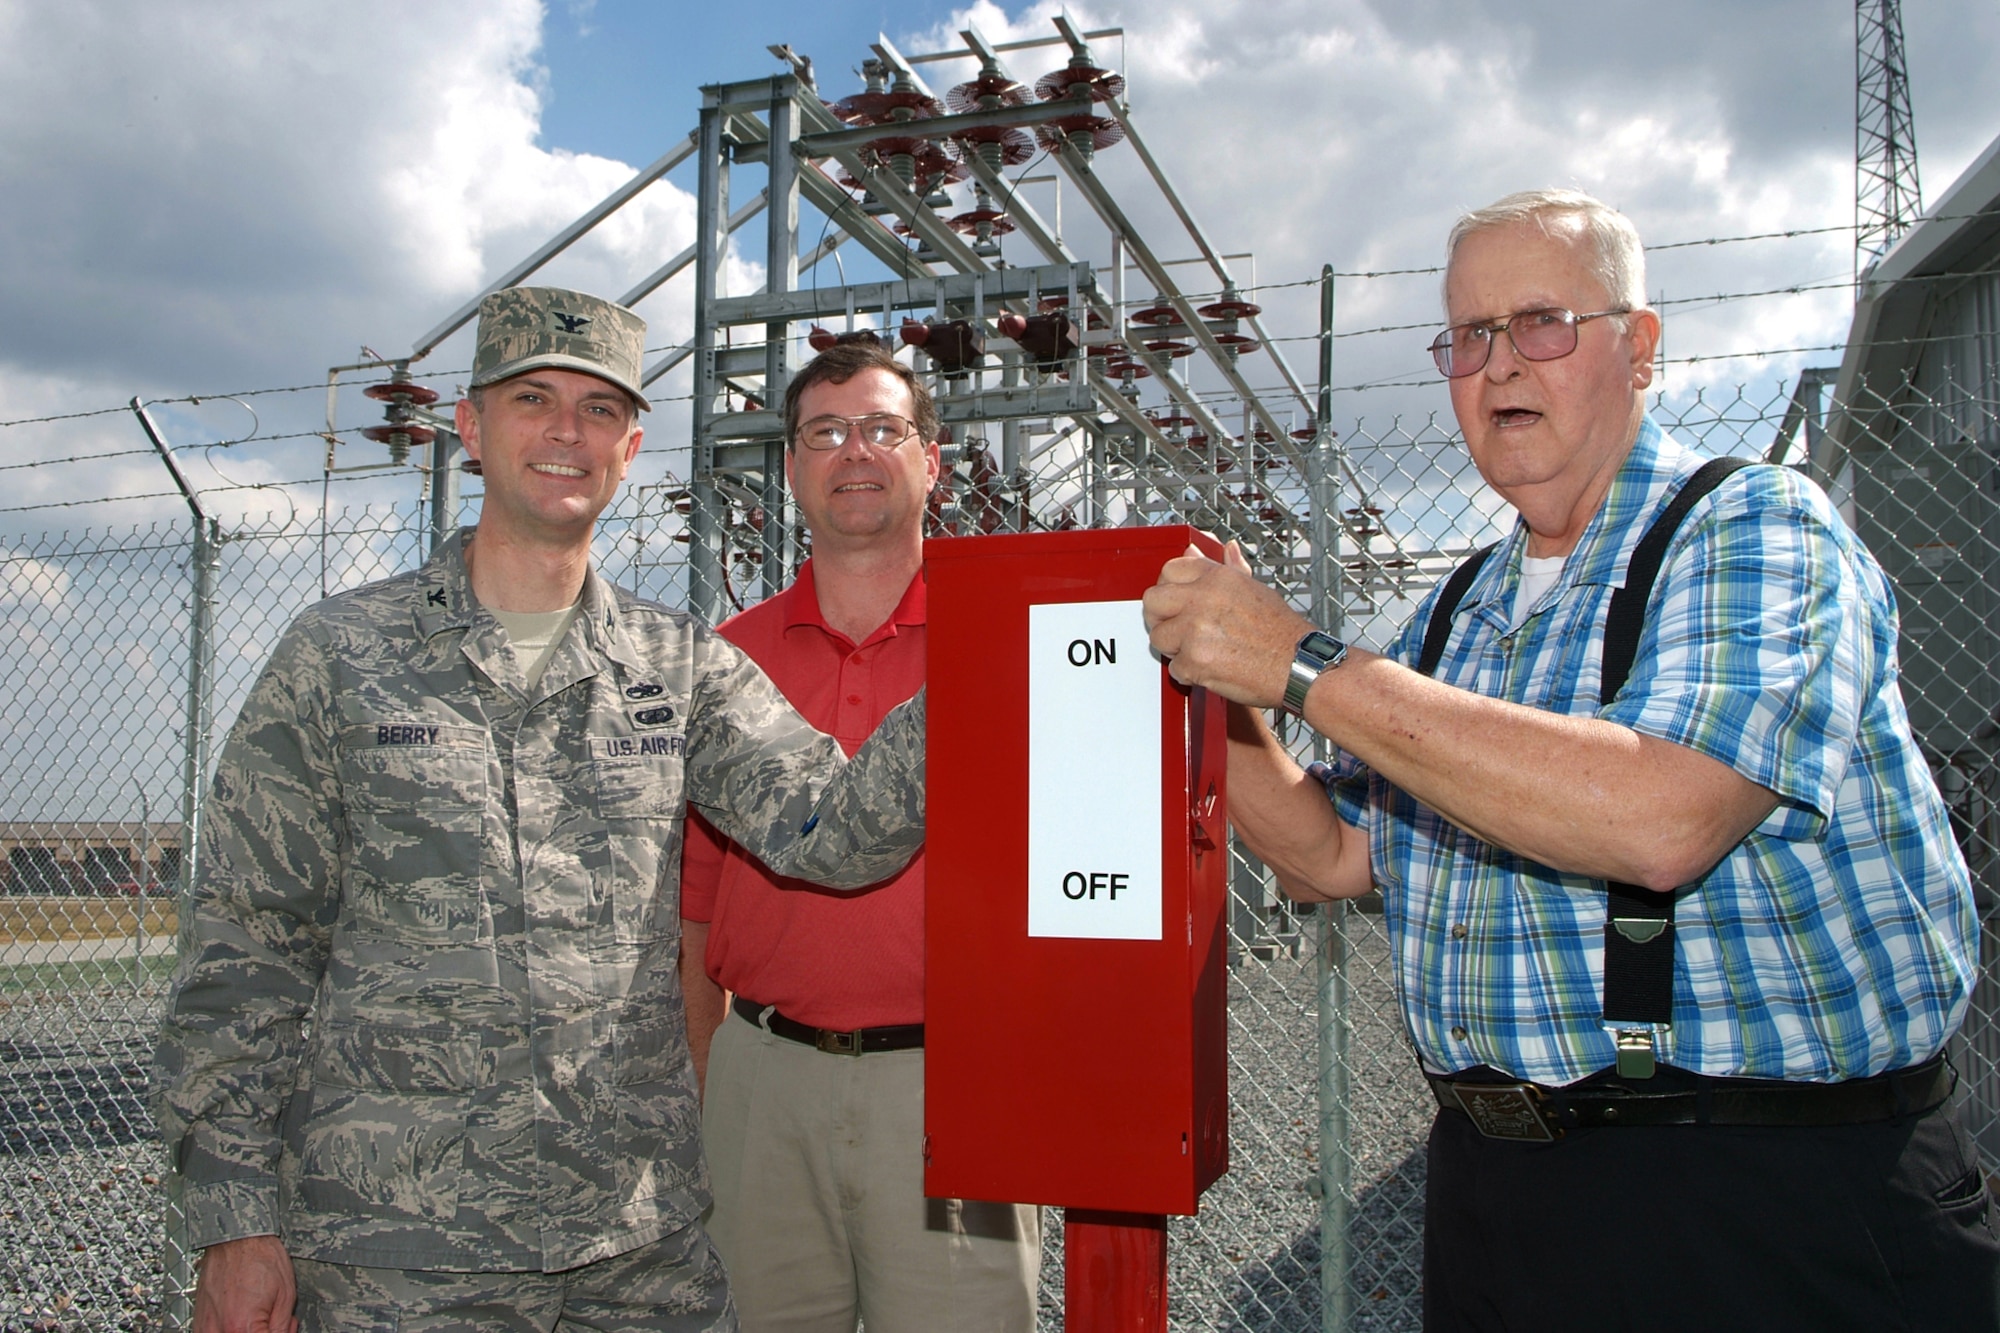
1887	195
1060	352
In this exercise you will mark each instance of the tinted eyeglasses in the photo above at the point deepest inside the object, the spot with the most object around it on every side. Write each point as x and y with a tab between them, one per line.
882	430
1537	335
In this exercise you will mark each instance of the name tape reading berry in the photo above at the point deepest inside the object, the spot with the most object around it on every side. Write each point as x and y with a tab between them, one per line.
1094	748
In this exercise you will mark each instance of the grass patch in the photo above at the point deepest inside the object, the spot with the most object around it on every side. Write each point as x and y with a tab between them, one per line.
90	974
81	917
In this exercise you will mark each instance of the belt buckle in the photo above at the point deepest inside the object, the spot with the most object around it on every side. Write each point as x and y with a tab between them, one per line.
1508	1111
837	1043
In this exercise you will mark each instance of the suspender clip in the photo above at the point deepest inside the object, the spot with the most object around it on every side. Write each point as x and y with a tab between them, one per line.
1635	1052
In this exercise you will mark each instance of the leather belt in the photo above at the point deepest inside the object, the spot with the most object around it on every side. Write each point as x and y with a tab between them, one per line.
1531	1112
862	1041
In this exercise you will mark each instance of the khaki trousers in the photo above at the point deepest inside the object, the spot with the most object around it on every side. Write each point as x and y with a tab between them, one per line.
820	1214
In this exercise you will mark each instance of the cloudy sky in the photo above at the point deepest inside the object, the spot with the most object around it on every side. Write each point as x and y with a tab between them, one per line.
224	198
209	198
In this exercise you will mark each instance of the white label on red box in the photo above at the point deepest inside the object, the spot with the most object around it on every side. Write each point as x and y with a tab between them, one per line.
1093	773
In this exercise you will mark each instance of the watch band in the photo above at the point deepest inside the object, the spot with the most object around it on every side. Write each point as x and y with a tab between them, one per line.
1296	685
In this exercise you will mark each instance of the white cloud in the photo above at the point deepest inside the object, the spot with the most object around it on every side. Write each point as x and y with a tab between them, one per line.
31	583
225	197
1352	133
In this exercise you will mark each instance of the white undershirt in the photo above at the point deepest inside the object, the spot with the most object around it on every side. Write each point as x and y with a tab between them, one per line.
534	636
1538	575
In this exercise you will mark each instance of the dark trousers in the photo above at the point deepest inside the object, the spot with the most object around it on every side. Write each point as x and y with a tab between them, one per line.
1878	1227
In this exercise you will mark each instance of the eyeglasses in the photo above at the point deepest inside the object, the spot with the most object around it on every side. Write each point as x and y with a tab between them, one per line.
1537	335
882	430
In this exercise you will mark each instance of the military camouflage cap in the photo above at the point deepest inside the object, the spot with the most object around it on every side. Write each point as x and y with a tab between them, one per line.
526	328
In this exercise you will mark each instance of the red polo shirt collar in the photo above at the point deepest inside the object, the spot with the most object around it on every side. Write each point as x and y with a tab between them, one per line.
802	608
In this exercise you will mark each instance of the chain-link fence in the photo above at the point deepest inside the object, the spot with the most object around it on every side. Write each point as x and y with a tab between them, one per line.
106	696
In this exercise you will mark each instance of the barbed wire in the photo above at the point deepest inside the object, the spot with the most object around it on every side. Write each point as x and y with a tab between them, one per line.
197	399
316	480
67	416
1206	398
1702	242
86	553
1758	236
201	445
1437	269
1716	299
1757	355
73	458
89	500
1432	270
1796	289
1711	299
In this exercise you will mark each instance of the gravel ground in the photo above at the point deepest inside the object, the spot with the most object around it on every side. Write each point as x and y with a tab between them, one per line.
80	1193
79	1172
1249	1262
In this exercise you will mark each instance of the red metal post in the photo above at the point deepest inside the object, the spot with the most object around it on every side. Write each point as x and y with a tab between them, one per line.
1114	1272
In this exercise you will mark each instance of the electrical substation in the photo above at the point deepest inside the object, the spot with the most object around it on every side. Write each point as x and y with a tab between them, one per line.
1089	376
995	214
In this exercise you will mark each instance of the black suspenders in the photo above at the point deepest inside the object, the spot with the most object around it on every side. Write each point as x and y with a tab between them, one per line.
1639	930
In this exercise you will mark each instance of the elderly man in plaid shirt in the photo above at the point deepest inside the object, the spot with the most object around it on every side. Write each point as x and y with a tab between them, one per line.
1680	927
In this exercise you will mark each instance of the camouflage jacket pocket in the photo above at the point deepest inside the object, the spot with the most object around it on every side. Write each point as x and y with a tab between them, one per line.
641	803
416	799
386	1135
638	787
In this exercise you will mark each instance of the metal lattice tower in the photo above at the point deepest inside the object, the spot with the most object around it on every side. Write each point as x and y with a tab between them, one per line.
1887	195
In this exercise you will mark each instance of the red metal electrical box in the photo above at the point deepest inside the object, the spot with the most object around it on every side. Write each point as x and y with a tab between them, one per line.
1076	856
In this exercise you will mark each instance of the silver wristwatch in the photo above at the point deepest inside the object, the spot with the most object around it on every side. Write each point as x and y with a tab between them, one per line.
1318	652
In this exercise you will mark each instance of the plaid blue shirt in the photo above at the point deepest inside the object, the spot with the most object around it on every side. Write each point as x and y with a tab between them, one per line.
1836	941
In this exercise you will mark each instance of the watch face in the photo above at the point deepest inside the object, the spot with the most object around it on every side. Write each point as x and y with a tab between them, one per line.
1322	645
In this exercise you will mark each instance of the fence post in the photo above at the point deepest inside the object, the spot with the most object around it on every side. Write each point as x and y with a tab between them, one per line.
207	551
201	691
444	487
179	1263
1323	470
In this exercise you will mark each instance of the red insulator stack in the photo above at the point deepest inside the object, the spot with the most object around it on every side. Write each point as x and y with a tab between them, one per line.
1083	82
403	398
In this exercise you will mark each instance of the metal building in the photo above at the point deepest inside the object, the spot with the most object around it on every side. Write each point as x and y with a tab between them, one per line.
1912	449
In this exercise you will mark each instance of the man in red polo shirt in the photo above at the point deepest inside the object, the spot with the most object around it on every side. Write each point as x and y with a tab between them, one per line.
812	1111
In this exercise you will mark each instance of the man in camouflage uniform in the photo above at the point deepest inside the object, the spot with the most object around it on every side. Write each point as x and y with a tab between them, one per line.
425	1058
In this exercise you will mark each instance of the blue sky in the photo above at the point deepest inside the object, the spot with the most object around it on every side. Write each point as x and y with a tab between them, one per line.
624	75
